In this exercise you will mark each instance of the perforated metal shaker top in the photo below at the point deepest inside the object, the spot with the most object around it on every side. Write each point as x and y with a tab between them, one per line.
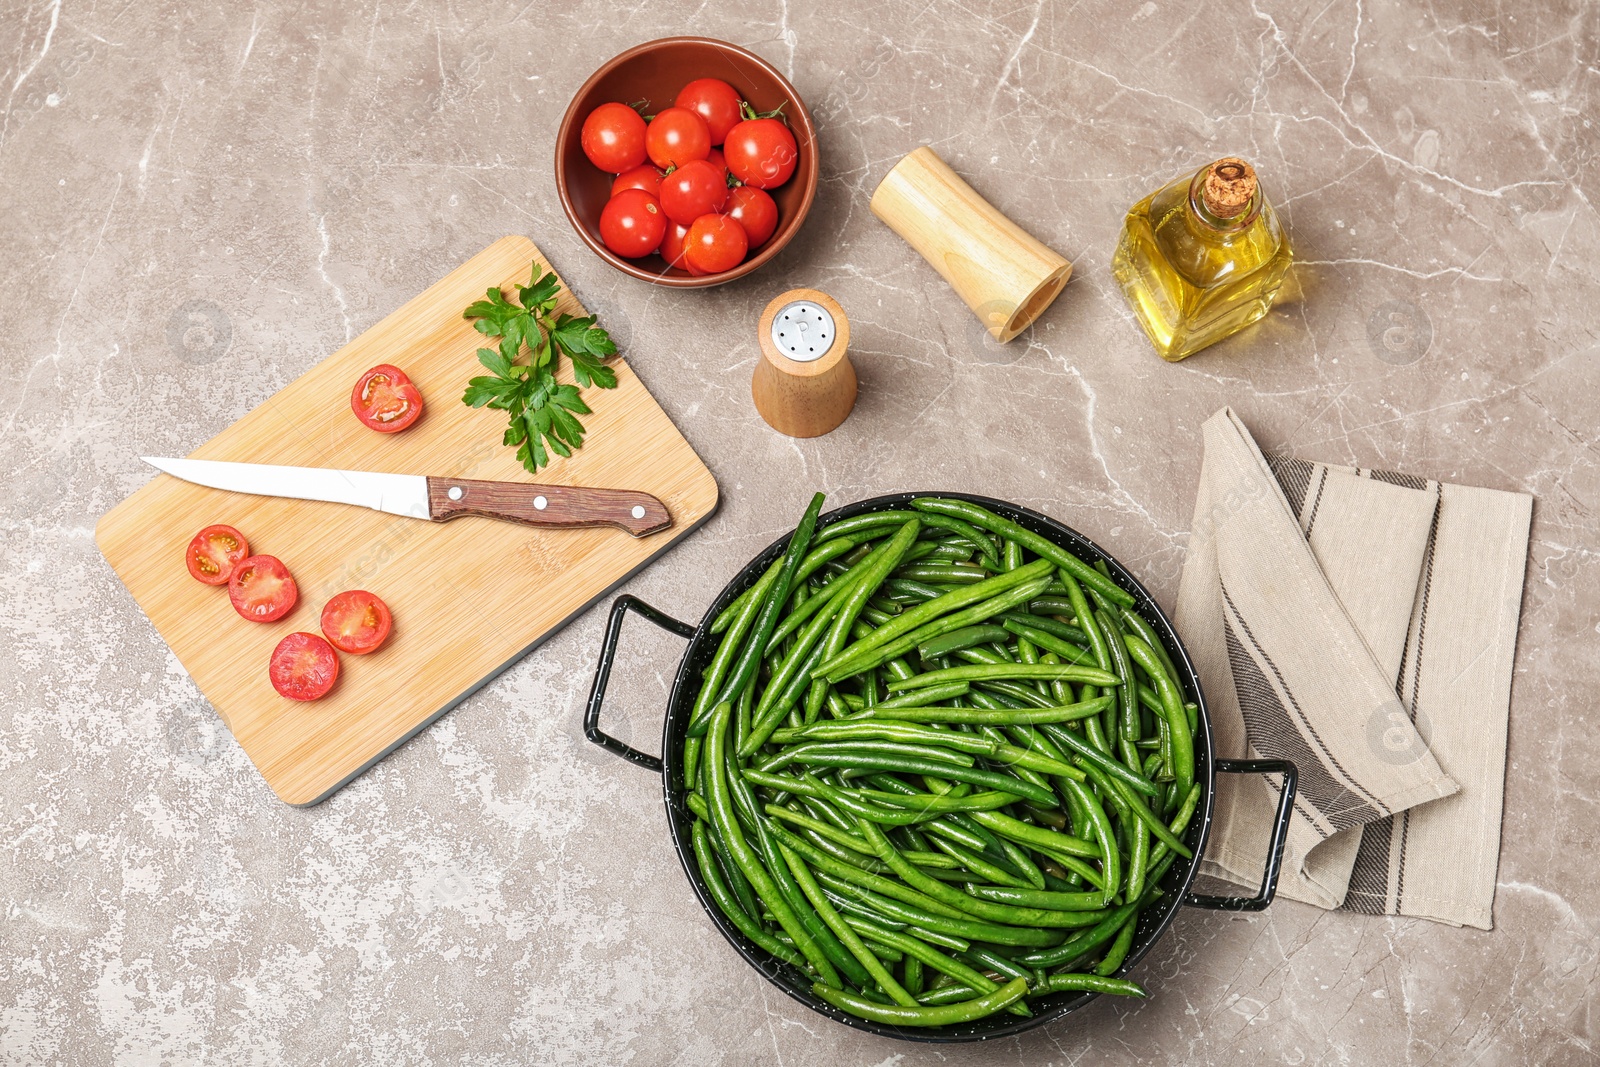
803	331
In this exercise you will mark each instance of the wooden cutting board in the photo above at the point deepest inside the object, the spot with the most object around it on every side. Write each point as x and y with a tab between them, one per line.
469	597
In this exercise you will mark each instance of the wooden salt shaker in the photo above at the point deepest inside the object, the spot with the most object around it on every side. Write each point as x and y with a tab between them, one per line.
804	384
1003	273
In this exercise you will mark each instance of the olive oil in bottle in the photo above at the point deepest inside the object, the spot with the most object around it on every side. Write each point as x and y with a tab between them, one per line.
1201	258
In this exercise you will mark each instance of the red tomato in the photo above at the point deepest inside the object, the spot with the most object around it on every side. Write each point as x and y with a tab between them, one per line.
715	158
715	101
613	138
672	247
385	400
694	189
676	136
753	209
214	552
631	223
356	621
262	589
303	667
644	177
716	243
761	152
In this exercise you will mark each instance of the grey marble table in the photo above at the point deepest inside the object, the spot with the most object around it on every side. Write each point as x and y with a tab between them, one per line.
200	201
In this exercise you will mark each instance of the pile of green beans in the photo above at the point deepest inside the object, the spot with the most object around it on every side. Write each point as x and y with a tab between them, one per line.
939	764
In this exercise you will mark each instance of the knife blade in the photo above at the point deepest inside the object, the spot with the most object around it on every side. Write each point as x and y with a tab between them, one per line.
427	497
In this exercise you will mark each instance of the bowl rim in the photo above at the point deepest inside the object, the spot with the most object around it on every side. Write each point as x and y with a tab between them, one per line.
800	122
1179	879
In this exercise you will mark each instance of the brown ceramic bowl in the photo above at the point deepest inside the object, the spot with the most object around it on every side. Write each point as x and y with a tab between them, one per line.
655	71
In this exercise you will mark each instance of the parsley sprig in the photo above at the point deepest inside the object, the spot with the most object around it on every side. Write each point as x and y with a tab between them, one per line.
543	412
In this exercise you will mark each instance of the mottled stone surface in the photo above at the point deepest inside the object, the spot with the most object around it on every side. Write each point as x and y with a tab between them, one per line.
201	200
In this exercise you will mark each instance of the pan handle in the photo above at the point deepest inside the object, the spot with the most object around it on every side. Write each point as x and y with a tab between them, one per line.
1280	833
602	675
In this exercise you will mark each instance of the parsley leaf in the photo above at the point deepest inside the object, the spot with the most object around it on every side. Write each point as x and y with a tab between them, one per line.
542	411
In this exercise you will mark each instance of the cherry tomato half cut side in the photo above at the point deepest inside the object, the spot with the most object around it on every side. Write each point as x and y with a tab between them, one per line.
356	621
385	400
303	667
214	552
261	589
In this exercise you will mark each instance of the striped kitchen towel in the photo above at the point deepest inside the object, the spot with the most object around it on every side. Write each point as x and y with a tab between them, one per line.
1361	624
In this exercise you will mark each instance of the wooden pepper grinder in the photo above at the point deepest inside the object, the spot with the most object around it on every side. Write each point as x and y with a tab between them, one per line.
804	384
1005	275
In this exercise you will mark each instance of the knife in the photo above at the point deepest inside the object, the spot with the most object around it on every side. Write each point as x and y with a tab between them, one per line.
424	497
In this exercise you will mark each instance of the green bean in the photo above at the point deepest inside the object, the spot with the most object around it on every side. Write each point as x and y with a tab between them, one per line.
792	683
1089	754
895	731
1128	691
1018	692
1111	858
848	966
729	906
957	640
836	754
1050	625
911	975
928	803
1153	824
841	930
945	1015
828	595
928	631
1179	823
1181	739
909	620
1093	983
1086	941
1119	948
841	837
978	672
1039	546
950	573
990	717
976	864
918	698
719	800
808	786
1001	965
1048	641
1037	898
1033	836
866	759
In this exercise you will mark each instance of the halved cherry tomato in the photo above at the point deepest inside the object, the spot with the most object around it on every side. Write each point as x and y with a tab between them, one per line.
675	136
303	667
356	621
761	152
645	176
672	245
694	189
385	400
715	101
715	243
632	223
214	552
613	138
262	589
753	209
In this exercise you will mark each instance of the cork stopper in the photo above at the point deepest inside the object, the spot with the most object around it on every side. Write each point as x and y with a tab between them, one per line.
1229	187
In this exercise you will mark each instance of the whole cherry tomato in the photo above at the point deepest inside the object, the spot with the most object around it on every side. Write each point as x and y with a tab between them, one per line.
715	158
613	138
753	209
632	223
672	245
715	101
694	189
676	136
715	243
761	152
644	177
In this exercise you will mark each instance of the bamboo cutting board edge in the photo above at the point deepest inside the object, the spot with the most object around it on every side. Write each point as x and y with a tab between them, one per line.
458	644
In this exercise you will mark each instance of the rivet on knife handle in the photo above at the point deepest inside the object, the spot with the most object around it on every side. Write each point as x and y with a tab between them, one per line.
565	506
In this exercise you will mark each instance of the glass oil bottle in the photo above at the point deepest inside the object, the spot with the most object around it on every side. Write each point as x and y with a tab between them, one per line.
1201	258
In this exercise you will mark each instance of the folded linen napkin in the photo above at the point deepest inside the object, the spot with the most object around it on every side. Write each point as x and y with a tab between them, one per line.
1361	624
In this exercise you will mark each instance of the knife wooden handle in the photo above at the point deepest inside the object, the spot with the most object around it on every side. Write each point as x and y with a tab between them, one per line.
567	506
